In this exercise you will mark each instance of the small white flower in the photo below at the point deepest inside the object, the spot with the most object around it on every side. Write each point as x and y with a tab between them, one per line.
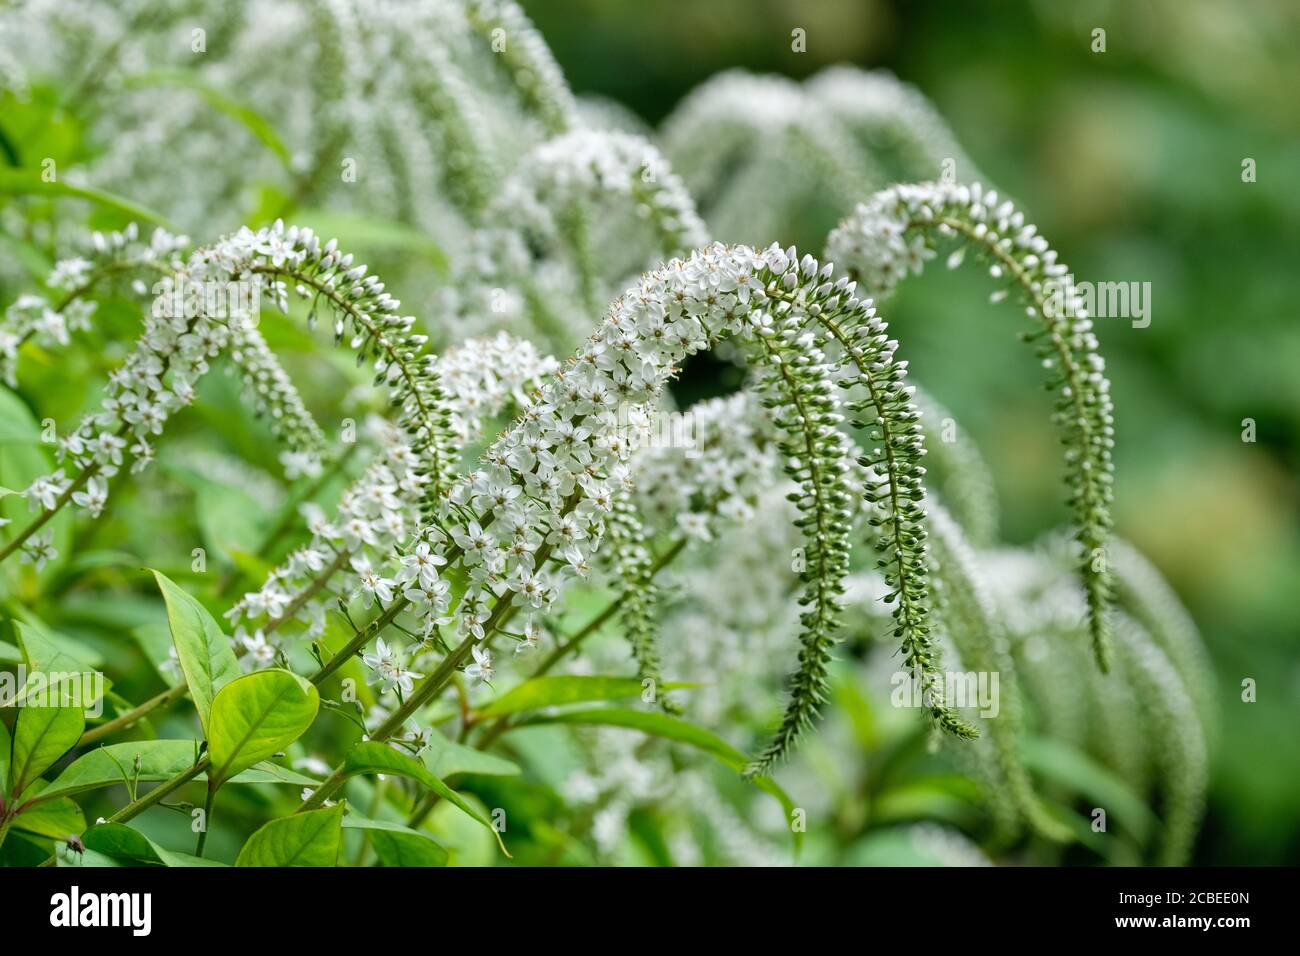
93	498
259	649
481	670
40	549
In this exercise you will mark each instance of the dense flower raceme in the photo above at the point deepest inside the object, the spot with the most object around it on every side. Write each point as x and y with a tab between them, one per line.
47	321
377	513
183	333
153	269
894	234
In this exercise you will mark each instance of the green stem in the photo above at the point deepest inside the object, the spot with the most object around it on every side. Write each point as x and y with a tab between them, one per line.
207	819
155	796
169	696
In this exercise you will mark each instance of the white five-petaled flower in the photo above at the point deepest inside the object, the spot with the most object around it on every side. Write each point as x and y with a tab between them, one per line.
388	668
39	548
260	650
44	492
481	670
93	498
421	566
373	585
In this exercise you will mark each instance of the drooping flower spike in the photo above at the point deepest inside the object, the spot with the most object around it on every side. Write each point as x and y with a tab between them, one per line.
527	60
47	320
895	234
182	333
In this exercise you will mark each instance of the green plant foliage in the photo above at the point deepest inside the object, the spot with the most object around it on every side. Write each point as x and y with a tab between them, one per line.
256	716
304	839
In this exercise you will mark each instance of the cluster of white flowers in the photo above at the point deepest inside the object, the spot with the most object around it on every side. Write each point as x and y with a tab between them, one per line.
521	271
484	377
47	323
176	346
374	515
894	235
732	457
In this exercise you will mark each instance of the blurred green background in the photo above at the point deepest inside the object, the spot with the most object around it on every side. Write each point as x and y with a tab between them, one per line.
1130	162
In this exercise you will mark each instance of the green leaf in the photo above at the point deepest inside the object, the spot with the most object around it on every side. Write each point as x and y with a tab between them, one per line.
120	842
659	724
29	183
255	717
446	758
372	757
51	653
303	839
268	772
159	760
203	649
398	845
552	691
252	120
56	819
41	736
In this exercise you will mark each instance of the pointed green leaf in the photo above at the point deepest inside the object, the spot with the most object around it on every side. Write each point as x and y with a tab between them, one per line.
552	691
57	819
56	664
255	717
398	845
268	772
130	846
159	760
372	757
304	839
203	649
41	736
29	183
